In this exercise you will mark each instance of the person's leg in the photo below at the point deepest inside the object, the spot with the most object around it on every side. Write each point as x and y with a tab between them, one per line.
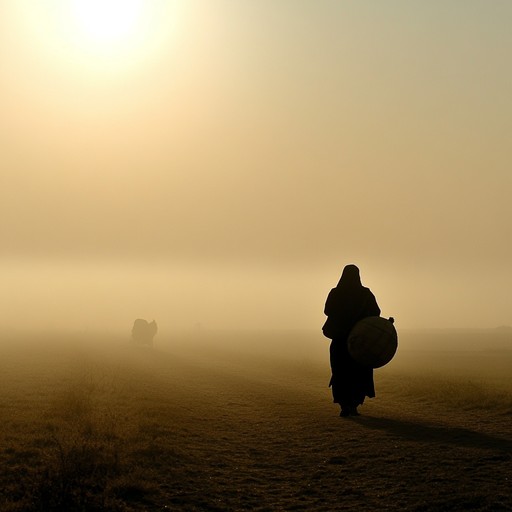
345	411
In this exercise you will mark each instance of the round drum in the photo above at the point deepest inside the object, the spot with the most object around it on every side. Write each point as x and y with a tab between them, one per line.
373	341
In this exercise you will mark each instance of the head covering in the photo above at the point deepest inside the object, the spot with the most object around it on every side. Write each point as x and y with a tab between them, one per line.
350	277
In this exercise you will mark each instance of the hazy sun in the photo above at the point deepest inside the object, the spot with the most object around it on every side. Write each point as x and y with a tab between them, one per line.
108	21
98	36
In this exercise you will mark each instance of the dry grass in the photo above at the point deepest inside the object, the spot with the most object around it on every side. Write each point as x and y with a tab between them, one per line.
113	428
453	393
70	449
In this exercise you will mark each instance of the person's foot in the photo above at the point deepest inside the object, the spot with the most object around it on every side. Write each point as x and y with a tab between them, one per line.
354	412
345	413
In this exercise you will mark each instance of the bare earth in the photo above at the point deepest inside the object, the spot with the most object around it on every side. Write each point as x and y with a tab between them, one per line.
195	427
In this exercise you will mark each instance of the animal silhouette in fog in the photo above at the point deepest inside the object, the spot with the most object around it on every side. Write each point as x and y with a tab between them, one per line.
143	332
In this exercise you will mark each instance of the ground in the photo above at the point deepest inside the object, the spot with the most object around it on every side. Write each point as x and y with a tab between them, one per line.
204	425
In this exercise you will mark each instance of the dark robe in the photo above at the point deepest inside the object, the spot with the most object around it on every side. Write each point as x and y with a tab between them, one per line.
345	306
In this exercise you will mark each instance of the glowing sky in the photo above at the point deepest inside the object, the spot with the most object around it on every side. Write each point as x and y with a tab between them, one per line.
221	161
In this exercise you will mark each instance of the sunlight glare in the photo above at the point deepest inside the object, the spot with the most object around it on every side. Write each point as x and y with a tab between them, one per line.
108	21
97	38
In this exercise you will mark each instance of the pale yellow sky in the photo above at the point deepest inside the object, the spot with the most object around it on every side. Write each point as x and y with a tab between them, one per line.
224	160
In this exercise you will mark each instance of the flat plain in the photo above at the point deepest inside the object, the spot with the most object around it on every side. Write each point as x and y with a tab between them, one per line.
228	421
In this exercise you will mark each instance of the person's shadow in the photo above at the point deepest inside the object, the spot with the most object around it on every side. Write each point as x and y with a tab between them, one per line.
437	434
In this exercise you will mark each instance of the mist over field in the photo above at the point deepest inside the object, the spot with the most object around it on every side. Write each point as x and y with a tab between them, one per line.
175	161
110	295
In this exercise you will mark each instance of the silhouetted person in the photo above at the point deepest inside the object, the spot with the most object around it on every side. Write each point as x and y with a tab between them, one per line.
346	304
143	332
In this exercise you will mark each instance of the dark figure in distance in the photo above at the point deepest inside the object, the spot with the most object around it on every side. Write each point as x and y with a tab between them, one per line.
346	304
143	332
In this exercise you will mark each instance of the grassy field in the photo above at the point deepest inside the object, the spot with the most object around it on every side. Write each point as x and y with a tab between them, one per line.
244	421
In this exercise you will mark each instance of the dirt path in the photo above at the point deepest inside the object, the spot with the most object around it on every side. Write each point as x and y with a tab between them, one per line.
267	438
